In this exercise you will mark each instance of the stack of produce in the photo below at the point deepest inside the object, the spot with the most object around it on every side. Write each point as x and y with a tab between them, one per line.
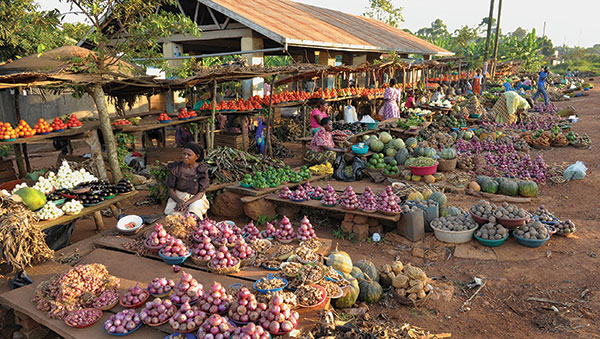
58	125
286	231
66	178
483	209
308	188
251	232
278	317
317	193
227	236
158	311
203	249
388	201
159	237
230	165
532	230
175	248
49	212
330	198
216	300
73	289
509	211
454	223
187	318
408	281
42	127
73	122
187	289
245	308
216	326
367	201
109	297
242	250
124	186
23	130
134	295
7	132
270	231
161	286
299	194
223	259
492	230
305	231
251	331
565	227
285	193
122	322
349	199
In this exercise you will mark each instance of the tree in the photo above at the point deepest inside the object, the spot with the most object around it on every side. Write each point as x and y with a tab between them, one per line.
438	30
519	33
482	27
74	32
124	30
384	11
464	36
25	30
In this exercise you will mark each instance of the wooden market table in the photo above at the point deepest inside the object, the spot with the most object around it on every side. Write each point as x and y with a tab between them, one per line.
89	210
131	270
249	191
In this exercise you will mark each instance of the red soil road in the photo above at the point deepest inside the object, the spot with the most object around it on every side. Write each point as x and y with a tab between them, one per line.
561	270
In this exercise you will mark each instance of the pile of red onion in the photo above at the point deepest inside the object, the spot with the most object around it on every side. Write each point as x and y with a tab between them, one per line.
242	250
278	318
160	286
285	193
305	231
122	322
245	308
270	230
286	230
187	318
299	194
251	232
215	300
215	327
187	289
175	248
250	331
83	317
349	199
367	201
106	298
223	259
134	295
317	193
388	201
158	311
330	197
226	235
159	237
204	249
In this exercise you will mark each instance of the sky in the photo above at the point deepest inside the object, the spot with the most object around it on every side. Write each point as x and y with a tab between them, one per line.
573	22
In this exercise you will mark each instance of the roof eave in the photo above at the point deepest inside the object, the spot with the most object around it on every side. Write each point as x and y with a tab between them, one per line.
359	48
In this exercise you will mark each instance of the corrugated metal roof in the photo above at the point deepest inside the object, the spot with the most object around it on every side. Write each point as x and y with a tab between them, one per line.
304	25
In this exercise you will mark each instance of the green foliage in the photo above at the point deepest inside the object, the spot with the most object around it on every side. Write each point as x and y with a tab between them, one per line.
160	174
263	219
124	141
4	151
384	11
24	30
340	234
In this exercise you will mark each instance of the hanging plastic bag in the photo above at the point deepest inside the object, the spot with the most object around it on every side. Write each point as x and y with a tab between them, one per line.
575	171
347	171
350	114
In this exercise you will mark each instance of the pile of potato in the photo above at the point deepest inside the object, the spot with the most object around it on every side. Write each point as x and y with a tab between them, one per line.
509	211
483	209
407	209
532	230
492	230
454	223
408	281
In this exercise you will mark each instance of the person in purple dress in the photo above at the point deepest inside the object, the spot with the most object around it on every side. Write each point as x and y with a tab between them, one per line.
390	108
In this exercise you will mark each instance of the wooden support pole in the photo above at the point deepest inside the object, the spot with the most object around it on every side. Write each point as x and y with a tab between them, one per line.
213	114
244	133
26	157
99	221
269	118
304	119
20	161
115	211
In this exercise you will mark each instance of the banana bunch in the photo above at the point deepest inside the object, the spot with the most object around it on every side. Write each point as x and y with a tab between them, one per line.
321	169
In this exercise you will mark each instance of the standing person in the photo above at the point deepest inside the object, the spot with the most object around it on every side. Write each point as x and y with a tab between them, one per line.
541	85
477	78
187	183
322	148
390	108
317	114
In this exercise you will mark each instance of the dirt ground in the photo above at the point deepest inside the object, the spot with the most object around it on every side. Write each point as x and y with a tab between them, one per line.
565	270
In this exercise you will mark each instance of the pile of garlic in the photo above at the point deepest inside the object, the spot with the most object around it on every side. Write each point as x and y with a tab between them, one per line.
49	211
72	207
66	178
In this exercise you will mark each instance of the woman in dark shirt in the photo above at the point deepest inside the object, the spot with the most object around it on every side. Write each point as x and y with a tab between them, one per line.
187	183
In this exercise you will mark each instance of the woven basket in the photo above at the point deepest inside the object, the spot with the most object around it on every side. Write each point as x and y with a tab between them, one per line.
416	303
226	270
199	262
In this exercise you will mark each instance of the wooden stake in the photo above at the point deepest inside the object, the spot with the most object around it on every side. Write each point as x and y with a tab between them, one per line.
94	143
99	221
269	118
211	144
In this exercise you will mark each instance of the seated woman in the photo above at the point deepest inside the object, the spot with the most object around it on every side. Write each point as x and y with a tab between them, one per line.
187	183
410	100
322	148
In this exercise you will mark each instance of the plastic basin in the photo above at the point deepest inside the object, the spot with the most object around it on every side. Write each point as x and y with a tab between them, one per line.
429	170
531	242
454	237
372	125
270	276
173	260
490	242
478	219
322	304
511	223
360	151
124	224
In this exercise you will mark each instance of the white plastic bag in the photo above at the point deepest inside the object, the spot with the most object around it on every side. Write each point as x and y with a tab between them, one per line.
350	114
575	171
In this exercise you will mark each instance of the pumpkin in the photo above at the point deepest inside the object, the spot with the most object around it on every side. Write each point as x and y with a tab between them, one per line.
351	296
368	268
429	179
438	176
528	188
407	175
426	194
402	155
339	260
429	152
411	142
474	186
415	196
370	291
439	197
416	178
357	273
480	179
450	211
448	153
509	187
489	186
